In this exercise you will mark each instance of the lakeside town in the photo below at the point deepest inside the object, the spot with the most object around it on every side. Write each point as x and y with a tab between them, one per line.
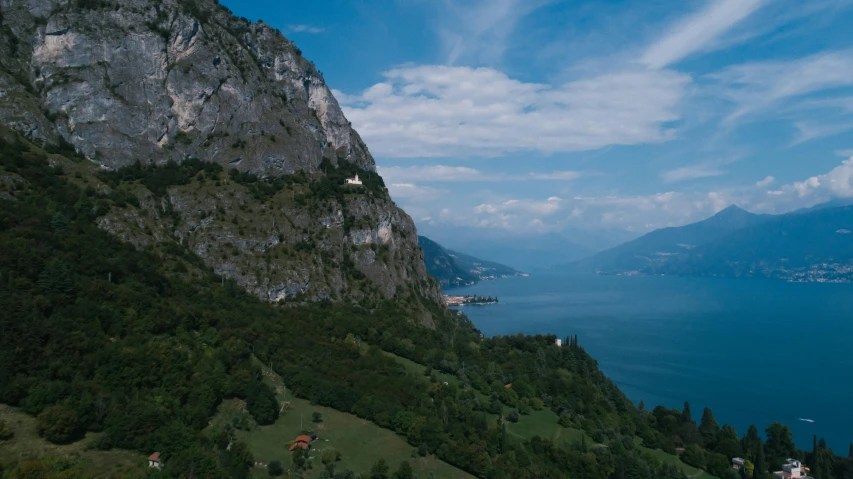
468	299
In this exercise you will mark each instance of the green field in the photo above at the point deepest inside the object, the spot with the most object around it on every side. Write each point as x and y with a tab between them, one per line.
690	471
360	442
26	444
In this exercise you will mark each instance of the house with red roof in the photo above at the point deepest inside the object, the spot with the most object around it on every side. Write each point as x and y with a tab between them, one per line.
154	460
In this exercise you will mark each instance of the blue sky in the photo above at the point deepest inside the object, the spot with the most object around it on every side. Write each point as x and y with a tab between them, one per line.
530	117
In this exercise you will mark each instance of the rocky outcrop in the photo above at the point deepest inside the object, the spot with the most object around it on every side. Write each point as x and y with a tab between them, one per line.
152	81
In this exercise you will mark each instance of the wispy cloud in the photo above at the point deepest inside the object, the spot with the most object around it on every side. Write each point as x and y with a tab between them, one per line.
415	193
435	111
478	31
754	87
810	130
442	173
767	181
304	29
698	31
691	173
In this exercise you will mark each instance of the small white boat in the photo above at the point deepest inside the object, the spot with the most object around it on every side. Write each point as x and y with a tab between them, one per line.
805	420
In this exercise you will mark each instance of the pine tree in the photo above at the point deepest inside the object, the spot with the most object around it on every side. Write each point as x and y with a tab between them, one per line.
815	458
686	415
642	407
708	427
760	465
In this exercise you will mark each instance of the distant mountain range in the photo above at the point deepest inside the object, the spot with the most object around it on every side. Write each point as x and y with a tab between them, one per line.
456	269
814	244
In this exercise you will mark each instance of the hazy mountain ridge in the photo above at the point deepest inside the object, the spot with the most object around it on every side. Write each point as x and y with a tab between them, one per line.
457	269
806	245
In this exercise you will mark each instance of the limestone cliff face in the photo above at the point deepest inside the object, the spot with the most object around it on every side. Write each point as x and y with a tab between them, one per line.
152	81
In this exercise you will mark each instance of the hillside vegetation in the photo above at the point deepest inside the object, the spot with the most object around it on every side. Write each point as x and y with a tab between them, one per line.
143	346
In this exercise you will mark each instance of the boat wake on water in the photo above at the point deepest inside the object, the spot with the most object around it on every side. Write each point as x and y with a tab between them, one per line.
804	419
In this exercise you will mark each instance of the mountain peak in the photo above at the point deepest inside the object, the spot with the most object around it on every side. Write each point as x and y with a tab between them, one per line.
732	209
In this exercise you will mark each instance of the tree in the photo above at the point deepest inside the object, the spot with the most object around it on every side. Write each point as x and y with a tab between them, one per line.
751	441
694	455
728	442
512	415
780	442
57	424
760	469
749	468
59	222
261	403
404	471
274	468
316	417
686	415
379	470
708	427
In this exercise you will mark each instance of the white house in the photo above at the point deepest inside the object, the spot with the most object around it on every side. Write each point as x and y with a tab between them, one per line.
738	463
792	470
558	342
353	181
154	460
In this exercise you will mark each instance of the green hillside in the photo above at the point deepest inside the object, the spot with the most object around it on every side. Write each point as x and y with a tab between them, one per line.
131	351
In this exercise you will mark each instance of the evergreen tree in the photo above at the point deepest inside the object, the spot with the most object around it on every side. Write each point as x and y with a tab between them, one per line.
850	451
59	222
642	407
751	441
815	465
760	471
708	427
686	415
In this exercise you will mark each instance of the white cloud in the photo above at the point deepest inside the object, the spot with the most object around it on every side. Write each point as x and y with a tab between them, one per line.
442	173
304	29
754	87
698	31
691	173
436	111
838	183
414	193
767	181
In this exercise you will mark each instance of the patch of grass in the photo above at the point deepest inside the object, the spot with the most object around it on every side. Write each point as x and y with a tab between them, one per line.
360	442
26	444
666	458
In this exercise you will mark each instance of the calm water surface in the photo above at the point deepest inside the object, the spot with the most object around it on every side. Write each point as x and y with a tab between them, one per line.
754	351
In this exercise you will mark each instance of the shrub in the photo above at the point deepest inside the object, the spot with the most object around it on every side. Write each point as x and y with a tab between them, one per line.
512	415
6	432
57	424
274	468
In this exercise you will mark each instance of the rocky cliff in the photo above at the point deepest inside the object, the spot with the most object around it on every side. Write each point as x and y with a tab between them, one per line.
172	80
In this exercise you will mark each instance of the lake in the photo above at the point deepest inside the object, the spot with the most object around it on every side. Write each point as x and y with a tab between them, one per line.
754	351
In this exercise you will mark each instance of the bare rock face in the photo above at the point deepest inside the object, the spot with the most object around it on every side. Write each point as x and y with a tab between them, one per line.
126	81
151	81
